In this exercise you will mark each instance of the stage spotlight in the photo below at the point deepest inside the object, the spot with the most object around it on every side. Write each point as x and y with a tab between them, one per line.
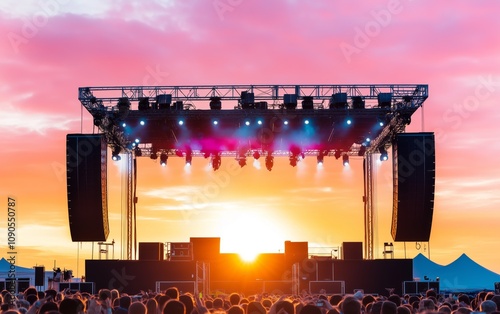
320	158
124	124
306	121
285	122
293	160
256	155
137	152
381	123
383	154
247	123
349	121
259	122
181	122
345	160
116	153
142	122
189	156
367	140
153	155
215	122
216	161
137	140
242	161
269	162
163	159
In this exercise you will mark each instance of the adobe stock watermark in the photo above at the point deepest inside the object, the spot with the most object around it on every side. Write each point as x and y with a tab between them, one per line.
453	118
363	36
154	76
32	25
120	279
222	7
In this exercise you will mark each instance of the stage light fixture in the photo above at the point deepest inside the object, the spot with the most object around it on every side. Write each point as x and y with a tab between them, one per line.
137	152
181	122
189	156
137	141
142	122
381	123
124	124
383	154
163	159
306	121
116	153
293	160
367	140
247	123
349	121
153	155
242	161
269	162
215	122
345	160
320	158
259	122
285	122
337	154
256	155
216	161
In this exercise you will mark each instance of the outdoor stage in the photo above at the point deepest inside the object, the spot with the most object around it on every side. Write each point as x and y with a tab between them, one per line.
269	273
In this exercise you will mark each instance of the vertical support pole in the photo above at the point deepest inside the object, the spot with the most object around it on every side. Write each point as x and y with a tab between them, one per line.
368	206
127	202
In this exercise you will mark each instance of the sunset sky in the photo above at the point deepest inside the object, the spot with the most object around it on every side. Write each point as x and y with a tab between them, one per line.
49	48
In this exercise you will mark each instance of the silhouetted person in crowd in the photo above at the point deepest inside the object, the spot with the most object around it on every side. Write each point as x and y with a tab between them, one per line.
235	309
152	306
389	307
234	298
488	306
255	307
174	307
124	304
173	293
188	301
137	307
403	310
351	305
426	305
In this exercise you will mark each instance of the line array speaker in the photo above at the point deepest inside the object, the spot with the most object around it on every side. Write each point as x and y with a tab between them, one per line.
414	179
86	166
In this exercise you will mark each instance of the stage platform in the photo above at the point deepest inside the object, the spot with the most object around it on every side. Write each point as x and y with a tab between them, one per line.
269	273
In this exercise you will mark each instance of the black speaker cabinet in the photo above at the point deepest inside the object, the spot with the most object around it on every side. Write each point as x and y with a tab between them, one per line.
39	275
352	250
296	252
151	251
205	249
413	199
86	166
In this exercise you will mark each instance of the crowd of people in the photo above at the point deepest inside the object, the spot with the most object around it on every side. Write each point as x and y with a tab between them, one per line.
171	301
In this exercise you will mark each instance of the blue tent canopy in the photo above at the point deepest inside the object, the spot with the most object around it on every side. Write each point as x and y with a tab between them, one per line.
461	275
